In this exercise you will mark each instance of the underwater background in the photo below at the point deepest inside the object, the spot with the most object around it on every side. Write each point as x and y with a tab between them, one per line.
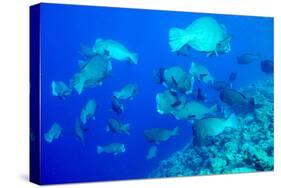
65	28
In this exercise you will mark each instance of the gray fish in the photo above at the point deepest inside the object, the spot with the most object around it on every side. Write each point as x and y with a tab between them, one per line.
117	127
114	148
157	135
233	97
53	133
247	58
129	91
152	153
79	131
60	89
212	126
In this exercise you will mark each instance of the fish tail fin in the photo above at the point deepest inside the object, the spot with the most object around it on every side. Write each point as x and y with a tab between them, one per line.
134	58
78	84
176	131
99	149
177	38
232	121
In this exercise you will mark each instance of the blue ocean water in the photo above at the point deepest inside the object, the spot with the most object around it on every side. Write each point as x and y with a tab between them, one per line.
65	28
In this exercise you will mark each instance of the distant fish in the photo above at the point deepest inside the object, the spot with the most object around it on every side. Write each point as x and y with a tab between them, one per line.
193	110
117	127
232	77
267	66
53	133
233	98
248	58
157	135
115	50
60	89
220	85
79	131
212	126
91	74
199	95
127	92
201	73
116	105
88	111
152	153
114	148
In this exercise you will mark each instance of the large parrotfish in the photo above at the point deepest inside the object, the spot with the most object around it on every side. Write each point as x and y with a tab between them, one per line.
205	34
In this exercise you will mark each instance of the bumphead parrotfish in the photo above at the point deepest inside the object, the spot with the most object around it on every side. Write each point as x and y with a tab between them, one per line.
152	153
233	98
157	135
115	50
201	73
60	89
88	111
117	127
127	92
176	79
91	74
204	34
167	102
194	110
114	148
53	133
213	126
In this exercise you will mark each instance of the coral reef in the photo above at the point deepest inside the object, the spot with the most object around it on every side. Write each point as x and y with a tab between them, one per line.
247	149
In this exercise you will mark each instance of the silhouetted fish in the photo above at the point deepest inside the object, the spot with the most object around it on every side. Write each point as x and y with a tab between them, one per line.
232	77
247	58
267	66
117	106
233	97
157	135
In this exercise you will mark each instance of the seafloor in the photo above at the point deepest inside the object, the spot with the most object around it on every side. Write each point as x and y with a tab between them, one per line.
248	149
